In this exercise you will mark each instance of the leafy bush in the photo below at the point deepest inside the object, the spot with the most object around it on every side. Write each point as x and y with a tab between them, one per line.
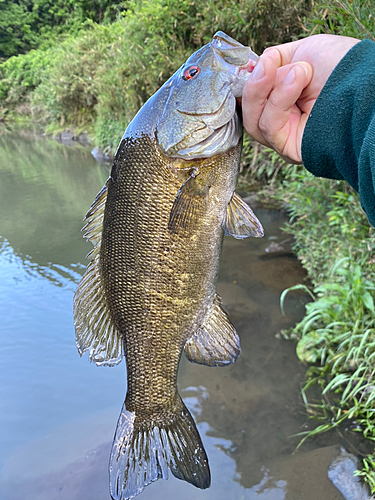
103	76
68	93
327	220
21	75
25	24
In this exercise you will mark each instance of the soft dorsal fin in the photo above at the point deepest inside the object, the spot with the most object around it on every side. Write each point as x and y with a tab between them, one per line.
94	329
216	342
240	221
190	202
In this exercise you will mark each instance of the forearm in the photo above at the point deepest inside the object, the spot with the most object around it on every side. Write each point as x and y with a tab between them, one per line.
339	138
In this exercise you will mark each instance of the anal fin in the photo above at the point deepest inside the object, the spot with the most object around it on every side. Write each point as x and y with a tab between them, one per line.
216	342
240	221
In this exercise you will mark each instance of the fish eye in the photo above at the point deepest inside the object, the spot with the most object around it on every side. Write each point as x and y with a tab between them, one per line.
190	72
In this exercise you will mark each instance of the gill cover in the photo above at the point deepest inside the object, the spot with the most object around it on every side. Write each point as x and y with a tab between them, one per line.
199	117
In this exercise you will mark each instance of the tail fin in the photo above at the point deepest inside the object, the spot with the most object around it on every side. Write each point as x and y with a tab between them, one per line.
143	450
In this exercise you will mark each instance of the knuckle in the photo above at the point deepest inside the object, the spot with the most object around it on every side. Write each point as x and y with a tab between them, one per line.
263	125
273	100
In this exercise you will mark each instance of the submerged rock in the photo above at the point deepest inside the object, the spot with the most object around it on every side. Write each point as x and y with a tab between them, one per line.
341	473
274	247
99	155
69	137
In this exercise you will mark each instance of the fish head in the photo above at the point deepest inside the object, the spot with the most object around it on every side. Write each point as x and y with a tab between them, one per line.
199	117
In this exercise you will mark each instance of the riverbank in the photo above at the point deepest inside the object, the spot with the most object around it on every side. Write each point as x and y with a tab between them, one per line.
335	244
336	338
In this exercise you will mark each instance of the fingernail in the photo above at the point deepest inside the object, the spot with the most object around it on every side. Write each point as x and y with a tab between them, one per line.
272	52
258	72
290	77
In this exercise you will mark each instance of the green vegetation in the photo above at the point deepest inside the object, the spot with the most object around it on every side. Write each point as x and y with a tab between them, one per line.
99	78
25	24
336	244
106	58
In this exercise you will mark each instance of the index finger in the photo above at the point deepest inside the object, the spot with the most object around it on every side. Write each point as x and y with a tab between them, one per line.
255	95
286	51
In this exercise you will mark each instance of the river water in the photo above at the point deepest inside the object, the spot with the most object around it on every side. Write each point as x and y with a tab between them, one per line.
58	412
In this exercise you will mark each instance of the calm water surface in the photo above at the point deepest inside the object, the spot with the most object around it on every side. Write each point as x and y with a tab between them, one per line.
58	412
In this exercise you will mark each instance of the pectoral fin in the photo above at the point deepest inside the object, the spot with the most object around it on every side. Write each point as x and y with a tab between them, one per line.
190	203
216	342
240	221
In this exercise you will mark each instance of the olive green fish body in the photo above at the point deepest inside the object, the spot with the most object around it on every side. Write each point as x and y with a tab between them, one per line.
149	292
160	284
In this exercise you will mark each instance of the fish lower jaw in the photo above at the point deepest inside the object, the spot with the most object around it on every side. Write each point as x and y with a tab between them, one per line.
220	141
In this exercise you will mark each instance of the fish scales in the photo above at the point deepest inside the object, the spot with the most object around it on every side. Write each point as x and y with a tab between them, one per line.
152	286
149	292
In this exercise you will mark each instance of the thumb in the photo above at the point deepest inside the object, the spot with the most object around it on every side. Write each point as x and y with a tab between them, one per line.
282	121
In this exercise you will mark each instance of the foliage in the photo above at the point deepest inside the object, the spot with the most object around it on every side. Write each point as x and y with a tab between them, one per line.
25	24
368	472
103	76
19	76
68	92
342	17
339	326
337	335
328	221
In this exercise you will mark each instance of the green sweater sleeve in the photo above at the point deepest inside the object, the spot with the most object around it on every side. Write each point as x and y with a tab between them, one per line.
339	137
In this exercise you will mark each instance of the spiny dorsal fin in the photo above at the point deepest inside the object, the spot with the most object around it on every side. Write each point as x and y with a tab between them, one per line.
94	329
92	231
240	221
190	202
216	342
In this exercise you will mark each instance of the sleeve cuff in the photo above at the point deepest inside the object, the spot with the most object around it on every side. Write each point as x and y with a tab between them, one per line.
340	117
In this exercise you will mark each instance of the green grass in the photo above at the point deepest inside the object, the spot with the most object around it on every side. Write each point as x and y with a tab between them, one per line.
335	243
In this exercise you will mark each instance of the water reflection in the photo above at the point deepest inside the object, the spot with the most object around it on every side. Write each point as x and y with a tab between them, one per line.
45	190
56	273
58	413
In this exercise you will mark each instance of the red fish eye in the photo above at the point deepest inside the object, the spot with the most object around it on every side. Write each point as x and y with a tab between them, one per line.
190	72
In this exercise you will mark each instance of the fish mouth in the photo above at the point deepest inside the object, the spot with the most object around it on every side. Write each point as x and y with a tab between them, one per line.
232	56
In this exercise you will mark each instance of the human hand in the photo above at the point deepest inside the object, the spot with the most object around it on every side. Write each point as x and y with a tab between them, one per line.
278	96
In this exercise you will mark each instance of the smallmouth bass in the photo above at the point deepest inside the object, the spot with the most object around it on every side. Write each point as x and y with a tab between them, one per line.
149	292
